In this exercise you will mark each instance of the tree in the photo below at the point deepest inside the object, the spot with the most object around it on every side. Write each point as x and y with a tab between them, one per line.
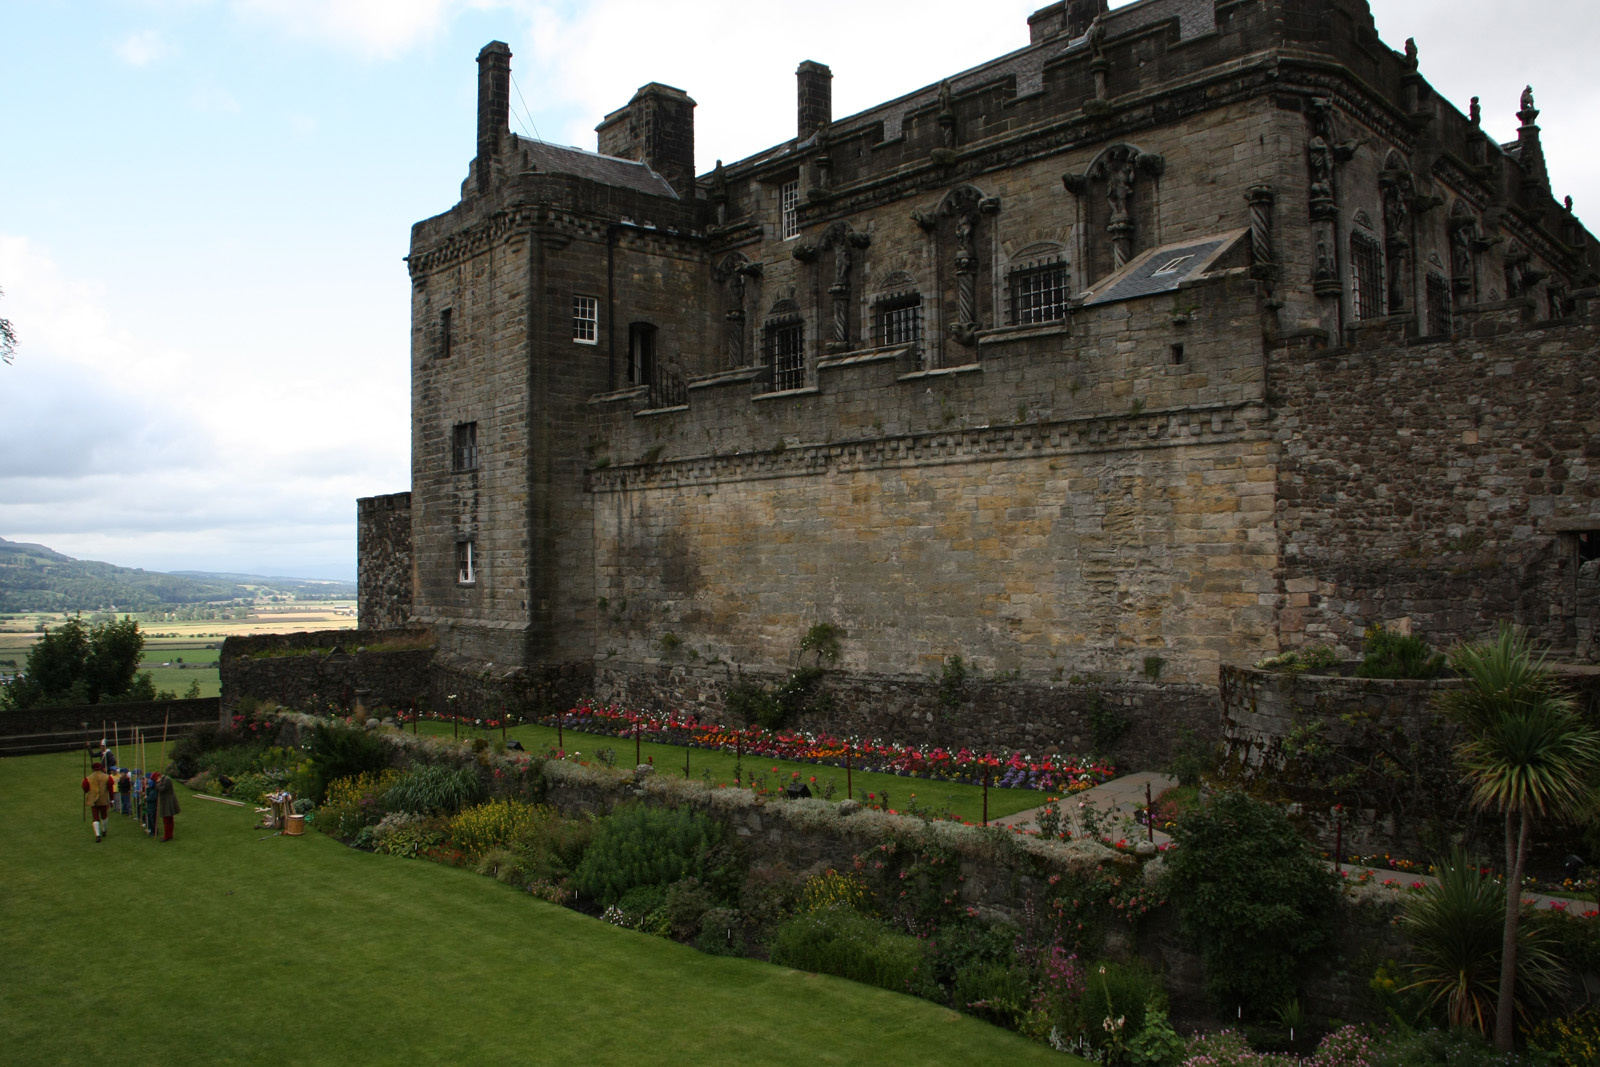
1527	755
75	664
1253	897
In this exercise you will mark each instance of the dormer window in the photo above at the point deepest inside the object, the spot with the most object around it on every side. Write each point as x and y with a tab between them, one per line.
1171	266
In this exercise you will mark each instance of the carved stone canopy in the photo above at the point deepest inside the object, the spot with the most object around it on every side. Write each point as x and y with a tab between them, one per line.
1122	161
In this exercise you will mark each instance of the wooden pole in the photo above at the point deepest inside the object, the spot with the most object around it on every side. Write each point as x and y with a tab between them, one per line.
502	724
1149	813
85	813
163	756
848	752
561	744
738	759
986	794
686	761
636	759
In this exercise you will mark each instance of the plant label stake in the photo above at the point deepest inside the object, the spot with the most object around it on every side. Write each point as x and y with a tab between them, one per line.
986	793
1338	841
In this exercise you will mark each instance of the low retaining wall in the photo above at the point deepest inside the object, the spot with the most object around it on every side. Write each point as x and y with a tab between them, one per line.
1373	746
35	730
328	670
979	713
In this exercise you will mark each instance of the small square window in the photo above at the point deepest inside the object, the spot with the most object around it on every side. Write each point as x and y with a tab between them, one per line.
789	209
586	320
1176	354
466	570
464	447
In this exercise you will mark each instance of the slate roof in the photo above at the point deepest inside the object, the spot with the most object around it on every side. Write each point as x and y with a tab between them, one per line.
1162	270
607	170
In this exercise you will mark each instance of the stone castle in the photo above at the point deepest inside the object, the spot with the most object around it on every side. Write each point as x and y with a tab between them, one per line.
1189	332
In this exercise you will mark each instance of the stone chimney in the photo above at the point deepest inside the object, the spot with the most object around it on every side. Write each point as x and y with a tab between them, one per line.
657	127
814	85
494	107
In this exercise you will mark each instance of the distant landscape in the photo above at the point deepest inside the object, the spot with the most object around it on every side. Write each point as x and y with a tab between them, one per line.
184	615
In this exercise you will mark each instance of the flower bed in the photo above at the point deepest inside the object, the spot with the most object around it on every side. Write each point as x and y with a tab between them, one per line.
1014	770
1008	770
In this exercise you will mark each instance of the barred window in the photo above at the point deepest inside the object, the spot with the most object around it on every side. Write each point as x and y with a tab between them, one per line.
466	571
789	209
786	353
1438	305
899	320
464	447
1366	276
586	320
1039	294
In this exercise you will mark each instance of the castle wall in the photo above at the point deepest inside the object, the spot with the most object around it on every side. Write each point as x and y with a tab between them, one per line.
1439	485
383	555
1074	505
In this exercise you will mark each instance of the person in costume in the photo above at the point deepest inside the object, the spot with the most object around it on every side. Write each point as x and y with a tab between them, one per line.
125	792
166	804
98	788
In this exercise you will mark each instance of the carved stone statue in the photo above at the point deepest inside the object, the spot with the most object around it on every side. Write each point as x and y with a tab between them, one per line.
1527	98
1119	185
1475	112
1326	270
1411	53
1320	157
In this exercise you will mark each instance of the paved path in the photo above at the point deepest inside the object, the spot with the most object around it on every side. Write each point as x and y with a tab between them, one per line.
1121	797
1117	798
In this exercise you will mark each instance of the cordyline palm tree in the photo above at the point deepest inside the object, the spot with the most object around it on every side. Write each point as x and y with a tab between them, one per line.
1527	755
1454	927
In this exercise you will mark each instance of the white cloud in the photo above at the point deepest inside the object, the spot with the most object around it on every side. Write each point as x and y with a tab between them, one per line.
380	28
144	48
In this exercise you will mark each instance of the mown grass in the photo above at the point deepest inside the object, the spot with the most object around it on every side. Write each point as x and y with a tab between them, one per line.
965	801
223	948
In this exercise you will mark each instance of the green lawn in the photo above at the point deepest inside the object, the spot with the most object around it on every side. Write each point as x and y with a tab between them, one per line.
964	800
222	948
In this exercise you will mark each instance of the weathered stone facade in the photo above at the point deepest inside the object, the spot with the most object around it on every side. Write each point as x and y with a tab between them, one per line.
1173	338
383	552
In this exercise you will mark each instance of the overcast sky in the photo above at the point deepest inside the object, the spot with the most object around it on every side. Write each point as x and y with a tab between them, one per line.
204	205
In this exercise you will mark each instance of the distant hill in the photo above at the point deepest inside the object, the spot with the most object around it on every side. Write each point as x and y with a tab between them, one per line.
36	578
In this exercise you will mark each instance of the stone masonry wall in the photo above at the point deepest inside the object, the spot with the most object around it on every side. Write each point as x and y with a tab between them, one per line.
329	669
1438	485
383	555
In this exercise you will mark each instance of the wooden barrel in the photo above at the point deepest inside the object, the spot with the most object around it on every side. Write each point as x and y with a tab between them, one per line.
295	826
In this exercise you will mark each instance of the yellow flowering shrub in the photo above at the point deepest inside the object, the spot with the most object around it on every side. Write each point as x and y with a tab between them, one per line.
497	824
831	889
1572	1041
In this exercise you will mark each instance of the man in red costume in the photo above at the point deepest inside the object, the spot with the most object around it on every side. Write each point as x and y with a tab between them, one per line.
99	789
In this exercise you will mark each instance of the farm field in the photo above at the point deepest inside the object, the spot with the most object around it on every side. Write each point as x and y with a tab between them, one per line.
298	950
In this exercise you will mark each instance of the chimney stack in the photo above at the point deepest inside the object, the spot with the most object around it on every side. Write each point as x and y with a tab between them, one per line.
656	127
494	106
815	97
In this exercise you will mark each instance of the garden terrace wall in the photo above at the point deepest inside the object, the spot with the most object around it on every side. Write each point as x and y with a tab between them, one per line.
996	715
327	668
33	730
1374	746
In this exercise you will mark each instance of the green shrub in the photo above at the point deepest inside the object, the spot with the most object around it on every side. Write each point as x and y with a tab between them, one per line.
250	788
1387	654
642	908
1570	1041
434	790
199	750
1314	658
639	846
686	904
720	930
339	752
407	834
851	945
1253	897
354	803
1453	1047
998	992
